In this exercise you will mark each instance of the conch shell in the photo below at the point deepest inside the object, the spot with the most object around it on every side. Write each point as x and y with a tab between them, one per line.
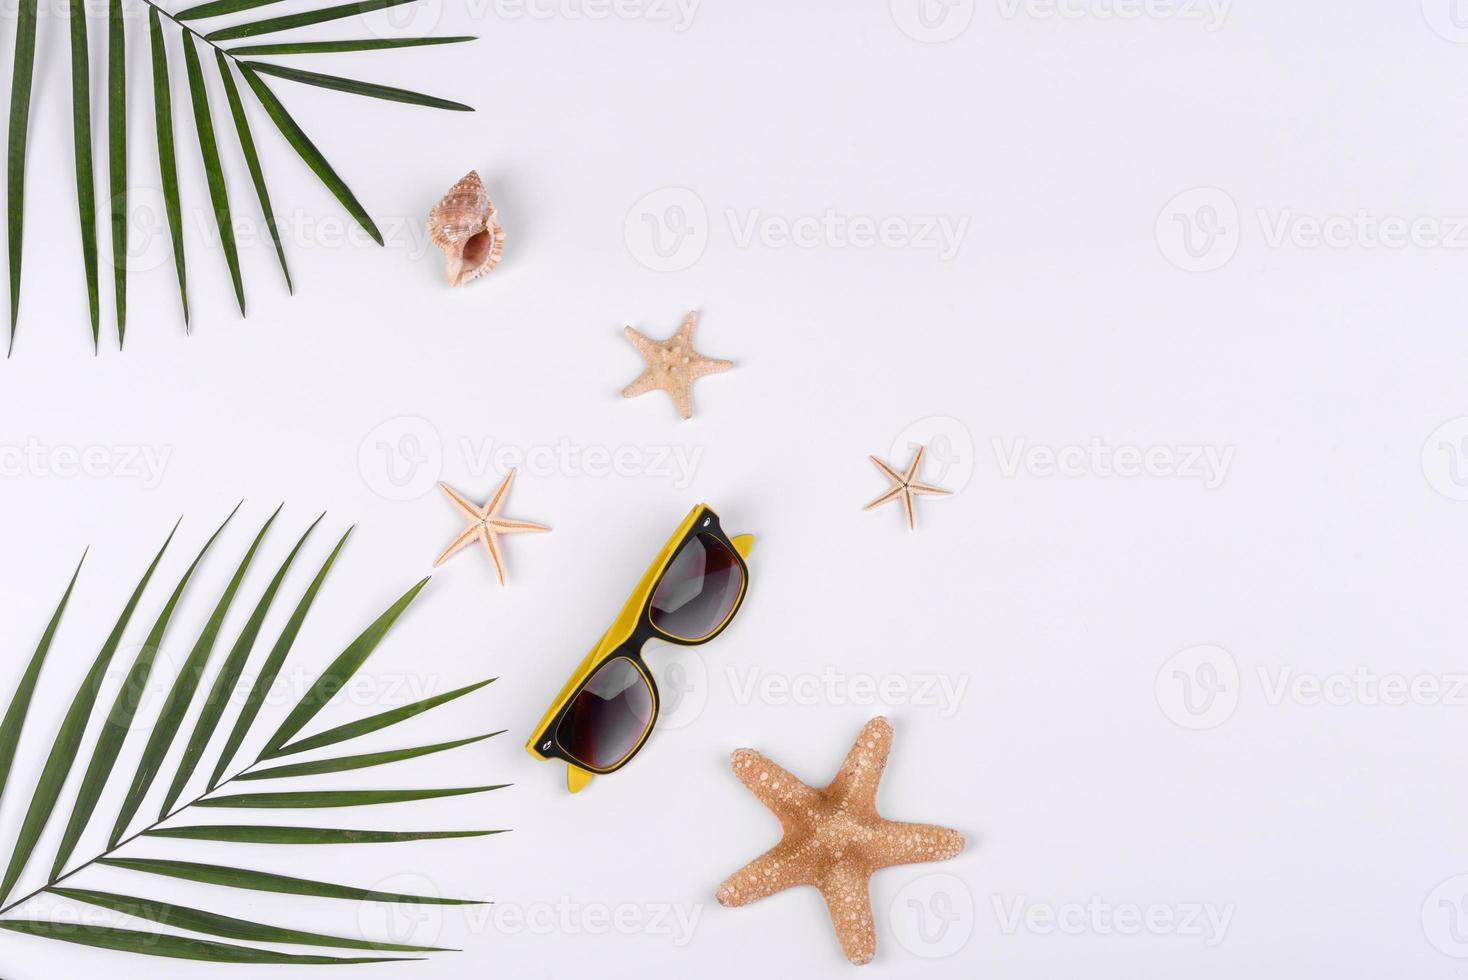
464	225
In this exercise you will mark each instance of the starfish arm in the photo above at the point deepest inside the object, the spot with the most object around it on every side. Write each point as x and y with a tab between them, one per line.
844	888
683	398
686	328
468	507
855	786
645	382
929	489
912	843
774	871
912	468
492	544
911	511
645	346
511	525
494	504
892	474
468	537
895	491
700	366
787	796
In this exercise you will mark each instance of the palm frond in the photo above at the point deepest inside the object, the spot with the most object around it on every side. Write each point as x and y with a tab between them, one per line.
228	60
99	766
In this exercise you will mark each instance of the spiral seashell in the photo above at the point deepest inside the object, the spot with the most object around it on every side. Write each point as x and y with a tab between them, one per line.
464	224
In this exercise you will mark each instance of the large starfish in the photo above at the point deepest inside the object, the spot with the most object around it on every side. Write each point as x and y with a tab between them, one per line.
487	524
672	365
905	486
834	838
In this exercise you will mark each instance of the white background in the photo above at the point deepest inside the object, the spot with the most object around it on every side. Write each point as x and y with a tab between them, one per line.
1068	607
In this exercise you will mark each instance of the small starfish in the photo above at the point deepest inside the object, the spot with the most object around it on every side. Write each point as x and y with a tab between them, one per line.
833	838
488	524
904	486
672	365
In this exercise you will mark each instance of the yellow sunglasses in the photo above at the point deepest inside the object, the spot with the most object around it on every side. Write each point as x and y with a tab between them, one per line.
688	595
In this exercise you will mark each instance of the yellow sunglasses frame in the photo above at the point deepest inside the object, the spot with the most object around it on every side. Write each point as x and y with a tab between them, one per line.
621	630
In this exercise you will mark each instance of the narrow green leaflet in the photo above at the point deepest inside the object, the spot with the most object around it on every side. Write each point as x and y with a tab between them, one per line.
167	160
265	679
290	21
252	160
195	920
181	694
257	834
174	947
327	799
229	675
329	47
117	156
335	677
377	722
213	167
263	881
302	144
352	85
120	718
22	73
218	8
20	704
358	761
81	141
73	726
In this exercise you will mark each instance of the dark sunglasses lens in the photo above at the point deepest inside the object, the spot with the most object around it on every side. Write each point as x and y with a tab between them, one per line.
698	589
608	717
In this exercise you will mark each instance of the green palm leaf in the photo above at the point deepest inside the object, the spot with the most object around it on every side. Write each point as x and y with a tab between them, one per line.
20	704
271	669
346	763
252	159
329	47
341	670
308	152
218	8
73	726
174	947
213	167
263	881
328	799
291	21
176	704
195	920
81	137
259	834
167	161
120	718
229	675
338	84
22	75
117	156
377	722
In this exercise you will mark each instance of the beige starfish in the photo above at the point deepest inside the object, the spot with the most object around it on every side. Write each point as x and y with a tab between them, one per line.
487	524
672	365
833	838
904	486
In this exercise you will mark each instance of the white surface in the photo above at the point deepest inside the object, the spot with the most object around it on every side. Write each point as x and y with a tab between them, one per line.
1322	831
